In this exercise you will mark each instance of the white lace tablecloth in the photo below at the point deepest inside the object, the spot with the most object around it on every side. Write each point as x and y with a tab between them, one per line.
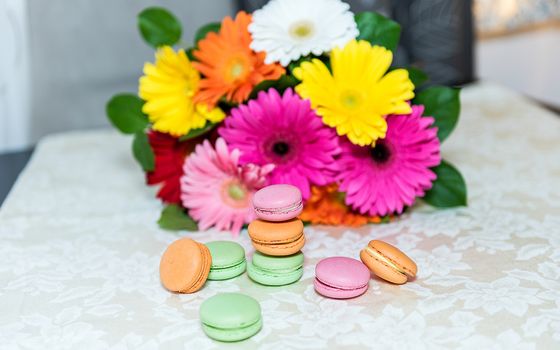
80	249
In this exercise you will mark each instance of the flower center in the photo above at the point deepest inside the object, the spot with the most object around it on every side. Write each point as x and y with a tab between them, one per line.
281	148
234	193
351	99
236	69
380	153
302	30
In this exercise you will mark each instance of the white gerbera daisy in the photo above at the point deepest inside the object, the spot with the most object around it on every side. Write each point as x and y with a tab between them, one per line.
289	29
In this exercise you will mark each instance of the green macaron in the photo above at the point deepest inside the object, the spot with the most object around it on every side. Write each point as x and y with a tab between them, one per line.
228	260
276	270
230	317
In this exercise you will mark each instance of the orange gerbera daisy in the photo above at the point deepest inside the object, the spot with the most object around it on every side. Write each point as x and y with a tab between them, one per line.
326	206
228	65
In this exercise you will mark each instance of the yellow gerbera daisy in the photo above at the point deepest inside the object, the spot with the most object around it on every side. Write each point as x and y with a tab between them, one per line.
168	87
358	94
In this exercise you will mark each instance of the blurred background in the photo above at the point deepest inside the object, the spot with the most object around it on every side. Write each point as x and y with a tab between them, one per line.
61	60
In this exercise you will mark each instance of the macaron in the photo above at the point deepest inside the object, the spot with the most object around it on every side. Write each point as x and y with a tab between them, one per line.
388	262
277	238
228	260
278	202
230	317
341	278
276	270
184	266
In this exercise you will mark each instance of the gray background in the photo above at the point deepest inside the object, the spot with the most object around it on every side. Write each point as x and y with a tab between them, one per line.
83	52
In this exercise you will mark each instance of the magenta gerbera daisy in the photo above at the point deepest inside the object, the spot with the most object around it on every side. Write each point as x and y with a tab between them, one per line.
383	179
284	131
217	190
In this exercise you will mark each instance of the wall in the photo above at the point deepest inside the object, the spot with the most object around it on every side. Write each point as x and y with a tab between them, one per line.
14	76
82	52
526	62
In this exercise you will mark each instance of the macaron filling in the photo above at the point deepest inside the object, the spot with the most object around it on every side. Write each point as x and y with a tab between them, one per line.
384	260
277	272
283	210
219	273
279	242
233	334
336	288
202	273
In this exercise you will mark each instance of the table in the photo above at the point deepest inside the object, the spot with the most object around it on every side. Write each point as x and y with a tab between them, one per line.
80	252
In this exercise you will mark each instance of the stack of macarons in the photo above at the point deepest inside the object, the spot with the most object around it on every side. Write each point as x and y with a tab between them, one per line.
277	235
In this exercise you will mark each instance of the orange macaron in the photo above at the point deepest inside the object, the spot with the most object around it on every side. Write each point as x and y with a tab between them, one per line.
388	262
277	238
184	266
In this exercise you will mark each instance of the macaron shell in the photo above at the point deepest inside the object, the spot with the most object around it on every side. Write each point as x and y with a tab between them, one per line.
337	293
275	271
276	196
270	278
275	232
342	272
281	249
228	260
381	269
226	253
184	266
230	311
275	263
232	335
396	256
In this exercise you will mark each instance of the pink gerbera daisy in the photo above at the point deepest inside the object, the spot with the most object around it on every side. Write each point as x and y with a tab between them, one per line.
284	131
217	190
383	179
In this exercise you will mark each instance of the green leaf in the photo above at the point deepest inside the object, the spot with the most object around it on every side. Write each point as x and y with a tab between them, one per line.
159	27
442	103
173	217
449	189
125	113
417	76
378	30
202	31
284	82
200	131
143	151
189	53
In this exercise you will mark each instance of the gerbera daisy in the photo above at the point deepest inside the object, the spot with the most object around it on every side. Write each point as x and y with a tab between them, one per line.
326	207
168	87
229	65
286	132
357	95
217	190
384	179
170	156
289	29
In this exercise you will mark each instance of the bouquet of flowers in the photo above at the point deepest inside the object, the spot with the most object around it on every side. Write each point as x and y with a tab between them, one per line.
299	92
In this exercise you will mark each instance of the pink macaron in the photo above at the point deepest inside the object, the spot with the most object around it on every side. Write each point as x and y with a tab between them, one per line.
339	277
278	202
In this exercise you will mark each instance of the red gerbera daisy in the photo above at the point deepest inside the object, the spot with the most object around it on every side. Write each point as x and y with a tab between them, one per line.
169	159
